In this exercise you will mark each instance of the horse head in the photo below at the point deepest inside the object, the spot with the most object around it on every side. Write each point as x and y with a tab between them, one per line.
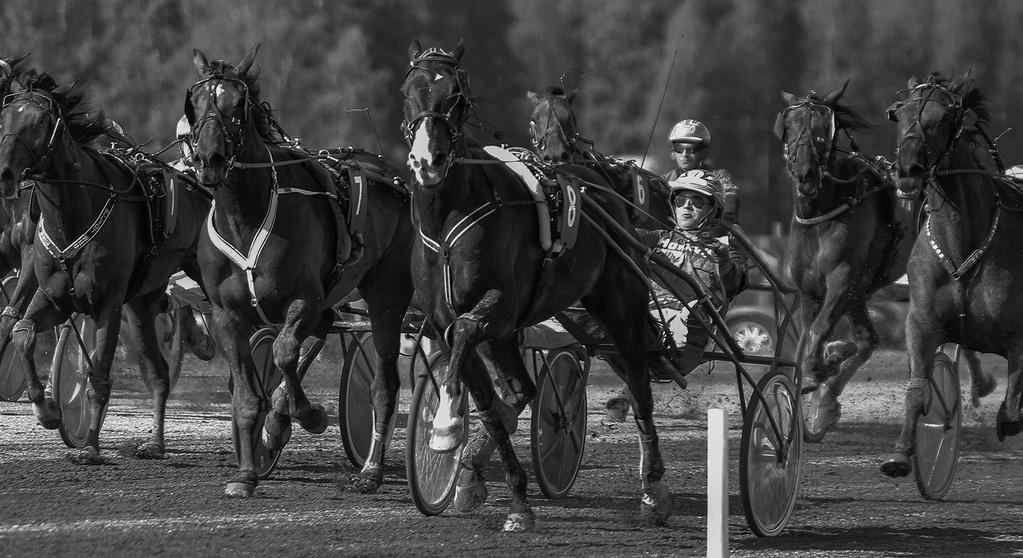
808	127
930	118
552	125
437	104
37	124
219	109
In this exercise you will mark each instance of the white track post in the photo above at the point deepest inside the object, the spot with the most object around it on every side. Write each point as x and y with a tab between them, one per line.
717	483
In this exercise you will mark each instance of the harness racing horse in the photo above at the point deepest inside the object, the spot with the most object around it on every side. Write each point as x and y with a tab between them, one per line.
962	270
481	274
843	244
272	253
96	248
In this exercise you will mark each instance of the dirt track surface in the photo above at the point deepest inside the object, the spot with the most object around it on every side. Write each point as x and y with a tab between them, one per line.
174	507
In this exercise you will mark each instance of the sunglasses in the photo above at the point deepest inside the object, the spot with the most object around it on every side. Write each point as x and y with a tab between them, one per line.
684	149
697	201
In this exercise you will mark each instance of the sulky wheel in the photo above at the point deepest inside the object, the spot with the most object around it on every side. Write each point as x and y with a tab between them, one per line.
770	460
559	422
431	475
12	375
267	378
70	379
937	433
354	401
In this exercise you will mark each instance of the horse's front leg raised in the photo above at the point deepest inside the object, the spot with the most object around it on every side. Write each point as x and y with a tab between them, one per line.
40	315
823	402
301	320
866	340
141	321
923	336
246	398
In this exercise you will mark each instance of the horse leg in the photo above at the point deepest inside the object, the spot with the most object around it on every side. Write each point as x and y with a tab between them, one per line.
246	399
823	400
386	316
504	364
39	316
866	340
141	315
277	425
1009	422
982	383
810	360
108	326
300	320
624	315
17	303
923	336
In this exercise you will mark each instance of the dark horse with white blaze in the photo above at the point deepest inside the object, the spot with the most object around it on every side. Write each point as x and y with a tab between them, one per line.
96	249
964	266
481	274
843	243
277	250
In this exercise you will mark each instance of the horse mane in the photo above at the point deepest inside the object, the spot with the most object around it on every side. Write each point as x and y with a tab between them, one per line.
846	117
84	125
554	91
262	119
973	98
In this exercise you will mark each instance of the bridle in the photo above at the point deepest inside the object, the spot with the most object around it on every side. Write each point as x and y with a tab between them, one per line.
915	132
215	115
458	98
46	104
539	140
821	160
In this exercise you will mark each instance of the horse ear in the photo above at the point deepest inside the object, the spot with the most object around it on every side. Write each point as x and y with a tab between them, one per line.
459	50
200	62
243	67
533	96
189	109
779	126
834	96
789	98
912	83
414	49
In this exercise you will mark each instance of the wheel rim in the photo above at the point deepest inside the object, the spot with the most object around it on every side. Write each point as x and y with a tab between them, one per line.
71	385
753	338
433	474
12	376
937	433
356	405
261	344
770	478
559	424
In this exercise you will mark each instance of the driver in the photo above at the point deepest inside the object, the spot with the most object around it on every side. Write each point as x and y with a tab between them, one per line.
690	149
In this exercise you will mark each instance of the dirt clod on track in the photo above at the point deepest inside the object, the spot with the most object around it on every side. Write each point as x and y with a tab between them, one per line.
50	506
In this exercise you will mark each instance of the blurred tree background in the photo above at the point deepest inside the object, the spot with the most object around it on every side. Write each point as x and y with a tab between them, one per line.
332	68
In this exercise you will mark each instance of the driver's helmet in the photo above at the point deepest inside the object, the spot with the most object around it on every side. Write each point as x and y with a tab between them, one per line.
702	182
692	131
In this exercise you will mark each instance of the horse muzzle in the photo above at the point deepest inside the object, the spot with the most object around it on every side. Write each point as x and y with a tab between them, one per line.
908	188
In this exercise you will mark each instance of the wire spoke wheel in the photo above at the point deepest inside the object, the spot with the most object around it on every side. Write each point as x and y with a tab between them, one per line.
770	461
559	422
354	398
431	475
938	431
71	379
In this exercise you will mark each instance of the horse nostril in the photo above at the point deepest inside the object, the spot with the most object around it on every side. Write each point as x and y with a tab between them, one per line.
438	159
7	175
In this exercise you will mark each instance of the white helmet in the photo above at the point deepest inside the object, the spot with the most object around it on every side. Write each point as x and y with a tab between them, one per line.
701	182
183	129
689	131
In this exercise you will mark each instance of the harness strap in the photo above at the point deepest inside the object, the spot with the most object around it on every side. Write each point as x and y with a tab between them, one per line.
443	247
840	209
72	250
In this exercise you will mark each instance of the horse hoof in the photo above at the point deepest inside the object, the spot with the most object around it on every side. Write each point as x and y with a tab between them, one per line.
276	431
617	409
897	465
88	455
315	420
47	413
446	438
822	412
655	507
520	522
149	450
1008	429
368	480
240	489
470	493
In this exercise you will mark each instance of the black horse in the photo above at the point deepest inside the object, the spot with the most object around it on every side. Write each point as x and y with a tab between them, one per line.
962	270
481	274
